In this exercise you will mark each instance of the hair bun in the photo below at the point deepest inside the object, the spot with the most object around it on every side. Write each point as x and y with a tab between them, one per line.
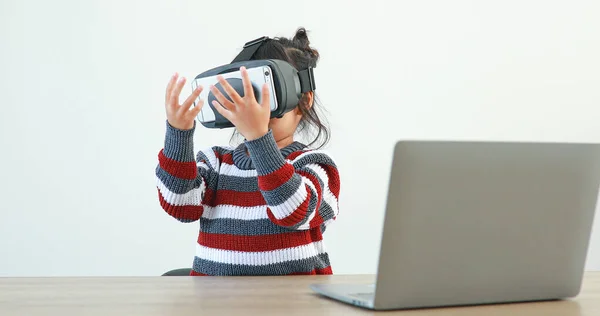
301	38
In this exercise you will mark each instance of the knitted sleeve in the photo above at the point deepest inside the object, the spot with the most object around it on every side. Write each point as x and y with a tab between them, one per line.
185	185
301	193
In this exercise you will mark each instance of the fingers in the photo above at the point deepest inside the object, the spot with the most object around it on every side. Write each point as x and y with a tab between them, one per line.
222	100
221	109
188	102
266	97
176	91
170	87
185	107
195	110
248	91
230	91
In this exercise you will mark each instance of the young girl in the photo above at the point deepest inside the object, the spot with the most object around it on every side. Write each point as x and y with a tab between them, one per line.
263	205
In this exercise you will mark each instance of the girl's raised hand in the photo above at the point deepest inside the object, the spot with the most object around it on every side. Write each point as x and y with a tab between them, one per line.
249	117
181	116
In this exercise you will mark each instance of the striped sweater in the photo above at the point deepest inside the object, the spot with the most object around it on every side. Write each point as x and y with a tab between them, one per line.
261	210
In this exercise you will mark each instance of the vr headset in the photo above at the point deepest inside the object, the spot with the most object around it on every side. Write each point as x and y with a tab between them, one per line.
286	84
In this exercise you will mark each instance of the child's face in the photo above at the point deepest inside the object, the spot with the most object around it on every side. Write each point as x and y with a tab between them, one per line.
285	127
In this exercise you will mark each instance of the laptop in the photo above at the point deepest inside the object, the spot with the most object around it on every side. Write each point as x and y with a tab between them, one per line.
470	223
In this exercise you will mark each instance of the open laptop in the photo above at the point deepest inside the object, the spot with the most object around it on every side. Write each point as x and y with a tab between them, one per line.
471	223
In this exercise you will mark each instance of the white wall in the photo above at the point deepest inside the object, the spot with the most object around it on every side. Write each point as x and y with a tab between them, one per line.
82	117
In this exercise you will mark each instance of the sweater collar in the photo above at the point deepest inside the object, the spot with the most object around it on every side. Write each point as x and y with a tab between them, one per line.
243	161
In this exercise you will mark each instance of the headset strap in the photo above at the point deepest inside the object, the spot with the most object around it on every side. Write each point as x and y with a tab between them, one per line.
306	76
250	49
307	80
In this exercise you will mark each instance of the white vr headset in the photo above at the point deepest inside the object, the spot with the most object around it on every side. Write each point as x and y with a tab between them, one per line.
286	84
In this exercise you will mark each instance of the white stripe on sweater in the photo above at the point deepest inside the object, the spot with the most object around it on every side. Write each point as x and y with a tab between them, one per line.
211	157
232	170
286	208
235	212
322	175
259	258
202	165
193	197
312	213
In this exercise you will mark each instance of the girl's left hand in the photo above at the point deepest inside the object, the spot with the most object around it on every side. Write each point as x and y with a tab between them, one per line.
250	118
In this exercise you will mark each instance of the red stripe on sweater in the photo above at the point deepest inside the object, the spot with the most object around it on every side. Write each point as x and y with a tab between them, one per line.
260	242
334	180
227	159
317	220
208	197
276	178
244	199
194	273
182	212
295	154
224	157
183	170
296	216
332	173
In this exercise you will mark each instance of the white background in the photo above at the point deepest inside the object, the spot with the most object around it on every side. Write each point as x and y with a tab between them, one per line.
82	118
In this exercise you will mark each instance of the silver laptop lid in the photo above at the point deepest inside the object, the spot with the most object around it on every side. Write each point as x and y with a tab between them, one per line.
479	222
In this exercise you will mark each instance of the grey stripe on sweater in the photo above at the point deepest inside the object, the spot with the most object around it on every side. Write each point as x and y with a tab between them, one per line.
282	193
312	205
223	269
265	154
177	185
179	144
325	210
241	227
182	186
313	158
250	184
239	184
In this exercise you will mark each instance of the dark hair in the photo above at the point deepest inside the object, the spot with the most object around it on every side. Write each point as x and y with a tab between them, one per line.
298	53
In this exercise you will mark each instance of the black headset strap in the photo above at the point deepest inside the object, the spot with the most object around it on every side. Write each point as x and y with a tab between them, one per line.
250	49
307	80
306	76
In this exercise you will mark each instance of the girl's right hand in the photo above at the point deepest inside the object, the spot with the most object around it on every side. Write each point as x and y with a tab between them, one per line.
181	116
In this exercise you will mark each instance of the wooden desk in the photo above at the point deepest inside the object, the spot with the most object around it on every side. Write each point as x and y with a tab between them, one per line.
182	296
